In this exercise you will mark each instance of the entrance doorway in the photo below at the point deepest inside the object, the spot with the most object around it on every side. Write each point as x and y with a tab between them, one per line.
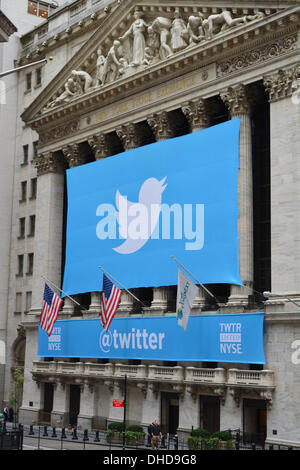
210	413
169	412
74	404
45	414
255	420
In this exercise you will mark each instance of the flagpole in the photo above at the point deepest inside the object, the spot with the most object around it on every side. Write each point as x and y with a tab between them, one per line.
194	277
73	300
118	282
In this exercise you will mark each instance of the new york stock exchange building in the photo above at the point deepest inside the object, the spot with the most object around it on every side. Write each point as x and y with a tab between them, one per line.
191	104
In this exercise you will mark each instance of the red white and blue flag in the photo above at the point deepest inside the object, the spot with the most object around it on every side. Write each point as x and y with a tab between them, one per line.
50	309
110	299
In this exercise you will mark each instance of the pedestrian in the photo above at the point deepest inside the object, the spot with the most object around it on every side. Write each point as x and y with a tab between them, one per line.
11	414
5	412
156	435
150	428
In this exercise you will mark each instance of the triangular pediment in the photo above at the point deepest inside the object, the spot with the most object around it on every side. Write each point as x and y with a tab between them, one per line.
139	39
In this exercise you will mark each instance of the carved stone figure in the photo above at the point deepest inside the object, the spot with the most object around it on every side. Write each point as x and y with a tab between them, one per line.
83	79
195	28
153	44
162	27
219	22
72	89
100	65
179	33
137	30
114	63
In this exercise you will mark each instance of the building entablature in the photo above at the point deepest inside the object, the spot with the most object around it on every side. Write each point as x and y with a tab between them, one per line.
193	380
108	78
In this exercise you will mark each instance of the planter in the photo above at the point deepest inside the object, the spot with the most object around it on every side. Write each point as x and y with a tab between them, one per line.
137	440
114	438
226	445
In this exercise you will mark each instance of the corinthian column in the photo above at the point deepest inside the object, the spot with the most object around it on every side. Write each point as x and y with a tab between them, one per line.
161	126
100	146
130	139
197	114
283	87
49	223
73	158
238	103
47	262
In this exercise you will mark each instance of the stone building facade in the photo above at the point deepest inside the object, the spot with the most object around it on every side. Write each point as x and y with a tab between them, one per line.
127	74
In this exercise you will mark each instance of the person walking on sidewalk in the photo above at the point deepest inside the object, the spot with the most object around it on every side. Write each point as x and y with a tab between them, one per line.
156	435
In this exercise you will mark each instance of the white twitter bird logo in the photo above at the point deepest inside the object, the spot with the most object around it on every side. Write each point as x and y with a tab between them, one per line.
137	221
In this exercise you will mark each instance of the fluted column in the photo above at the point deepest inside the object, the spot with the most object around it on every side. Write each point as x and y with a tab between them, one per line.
283	87
161	126
49	224
198	116
73	157
238	103
130	139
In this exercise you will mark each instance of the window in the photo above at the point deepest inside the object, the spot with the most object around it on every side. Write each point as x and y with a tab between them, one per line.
38	77
31	226
22	227
25	154
33	188
28	81
30	264
20	265
28	301
18	308
35	148
41	9
23	191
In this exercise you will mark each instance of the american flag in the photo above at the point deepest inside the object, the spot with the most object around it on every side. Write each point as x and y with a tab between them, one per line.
110	299
50	310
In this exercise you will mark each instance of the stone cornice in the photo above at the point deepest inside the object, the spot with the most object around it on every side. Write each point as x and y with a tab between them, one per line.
6	25
258	31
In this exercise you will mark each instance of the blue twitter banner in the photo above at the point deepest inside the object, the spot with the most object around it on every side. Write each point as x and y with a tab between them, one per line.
131	212
214	338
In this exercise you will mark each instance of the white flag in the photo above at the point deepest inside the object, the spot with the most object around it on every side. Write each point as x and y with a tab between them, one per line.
186	292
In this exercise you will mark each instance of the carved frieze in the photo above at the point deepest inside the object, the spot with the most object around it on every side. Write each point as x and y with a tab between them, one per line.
58	132
257	56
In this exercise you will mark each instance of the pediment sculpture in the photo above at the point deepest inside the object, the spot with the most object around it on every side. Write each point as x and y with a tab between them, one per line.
146	43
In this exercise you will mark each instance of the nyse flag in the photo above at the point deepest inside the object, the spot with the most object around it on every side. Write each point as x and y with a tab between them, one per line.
131	212
186	293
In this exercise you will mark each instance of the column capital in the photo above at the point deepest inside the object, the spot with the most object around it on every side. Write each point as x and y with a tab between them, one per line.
281	84
128	135
48	162
73	155
197	114
161	125
100	146
237	100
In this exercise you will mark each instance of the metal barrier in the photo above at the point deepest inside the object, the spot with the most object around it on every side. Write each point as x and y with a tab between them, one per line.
11	439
